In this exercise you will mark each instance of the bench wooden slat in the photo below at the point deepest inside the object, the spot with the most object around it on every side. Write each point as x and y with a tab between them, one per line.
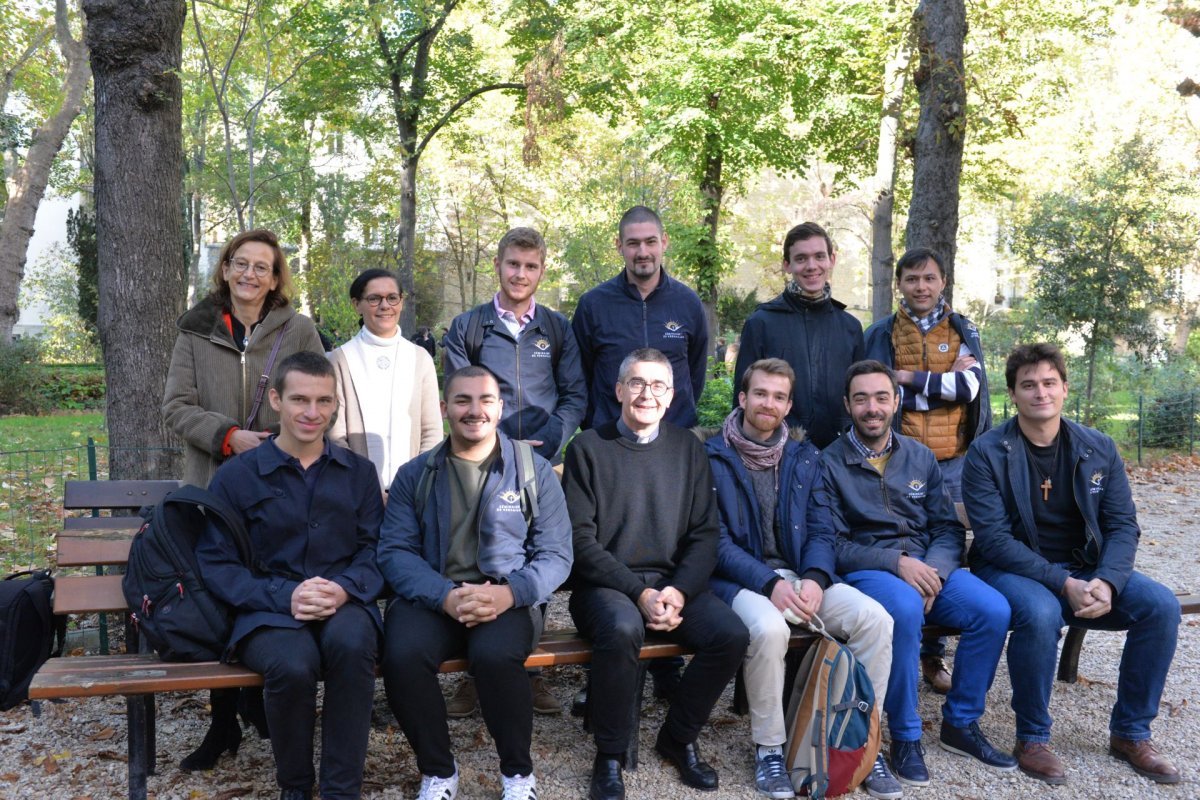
128	524
115	494
85	594
93	548
109	675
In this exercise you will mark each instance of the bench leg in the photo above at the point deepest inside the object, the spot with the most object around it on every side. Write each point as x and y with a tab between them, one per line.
151	727
135	712
1068	662
741	704
635	729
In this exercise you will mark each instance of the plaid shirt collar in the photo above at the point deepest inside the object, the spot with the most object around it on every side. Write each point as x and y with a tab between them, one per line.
867	452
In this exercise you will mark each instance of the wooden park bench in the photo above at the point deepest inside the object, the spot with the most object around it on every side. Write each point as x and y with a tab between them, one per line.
99	541
103	541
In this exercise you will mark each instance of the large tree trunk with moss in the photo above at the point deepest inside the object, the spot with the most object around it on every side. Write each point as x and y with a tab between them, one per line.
941	28
31	178
136	47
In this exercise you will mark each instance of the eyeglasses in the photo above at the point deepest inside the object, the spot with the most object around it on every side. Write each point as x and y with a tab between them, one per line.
240	265
392	299
637	386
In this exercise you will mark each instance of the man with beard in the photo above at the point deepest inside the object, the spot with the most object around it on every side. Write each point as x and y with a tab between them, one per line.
776	558
642	306
900	541
645	535
472	564
1056	533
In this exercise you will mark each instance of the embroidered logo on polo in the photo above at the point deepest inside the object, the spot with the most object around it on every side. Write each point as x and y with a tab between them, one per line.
509	501
916	489
543	348
1097	482
674	330
542	344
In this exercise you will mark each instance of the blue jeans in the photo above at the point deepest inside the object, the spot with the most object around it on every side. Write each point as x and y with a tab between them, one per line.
966	603
1145	608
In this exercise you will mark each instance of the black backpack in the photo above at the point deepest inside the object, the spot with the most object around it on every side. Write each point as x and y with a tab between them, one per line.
28	630
169	604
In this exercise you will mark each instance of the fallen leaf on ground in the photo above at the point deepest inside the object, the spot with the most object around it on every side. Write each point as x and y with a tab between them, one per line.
104	733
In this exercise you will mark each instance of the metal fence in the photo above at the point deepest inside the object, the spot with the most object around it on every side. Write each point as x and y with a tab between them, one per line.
1144	427
31	498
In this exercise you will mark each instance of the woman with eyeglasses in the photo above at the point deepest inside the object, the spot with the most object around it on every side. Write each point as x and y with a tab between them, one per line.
216	400
387	386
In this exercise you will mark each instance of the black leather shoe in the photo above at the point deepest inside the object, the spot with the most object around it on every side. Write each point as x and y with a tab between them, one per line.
686	758
607	783
970	741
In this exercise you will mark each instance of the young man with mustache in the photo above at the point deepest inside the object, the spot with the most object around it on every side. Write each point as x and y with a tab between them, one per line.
642	306
900	541
472	568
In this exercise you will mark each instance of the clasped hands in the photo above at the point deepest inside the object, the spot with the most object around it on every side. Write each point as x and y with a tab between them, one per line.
473	603
1089	599
316	599
661	607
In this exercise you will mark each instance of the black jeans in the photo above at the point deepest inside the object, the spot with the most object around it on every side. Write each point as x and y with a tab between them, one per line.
617	629
292	661
418	640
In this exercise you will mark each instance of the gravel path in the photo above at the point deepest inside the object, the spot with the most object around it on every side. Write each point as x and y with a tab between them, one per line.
77	749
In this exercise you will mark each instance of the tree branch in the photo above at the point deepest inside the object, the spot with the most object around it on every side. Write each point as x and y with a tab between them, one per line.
462	101
10	75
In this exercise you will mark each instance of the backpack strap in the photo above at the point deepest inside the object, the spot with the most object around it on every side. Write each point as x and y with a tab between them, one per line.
555	332
473	339
230	519
527	479
425	484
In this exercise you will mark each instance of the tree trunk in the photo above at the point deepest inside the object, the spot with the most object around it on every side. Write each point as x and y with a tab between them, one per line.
406	241
136	47
708	266
882	207
941	27
30	179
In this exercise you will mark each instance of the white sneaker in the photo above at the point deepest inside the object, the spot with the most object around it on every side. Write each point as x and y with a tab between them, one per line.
439	788
519	787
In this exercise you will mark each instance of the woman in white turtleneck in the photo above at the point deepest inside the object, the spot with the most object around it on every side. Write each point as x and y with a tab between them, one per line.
387	387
